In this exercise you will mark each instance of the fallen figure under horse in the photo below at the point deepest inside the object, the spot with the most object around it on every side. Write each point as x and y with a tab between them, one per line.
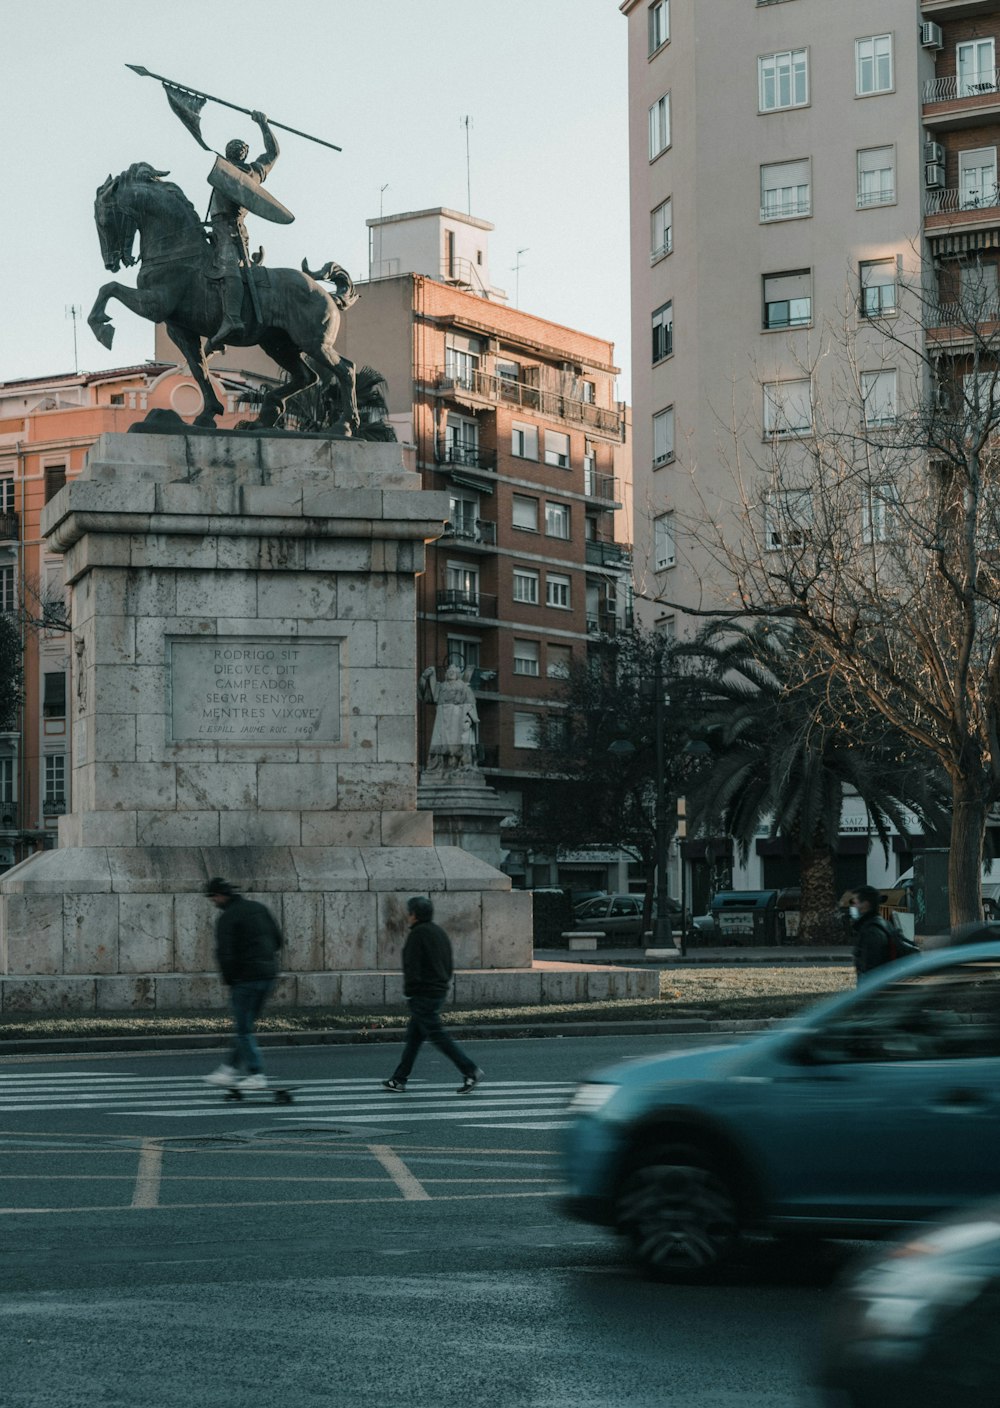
298	319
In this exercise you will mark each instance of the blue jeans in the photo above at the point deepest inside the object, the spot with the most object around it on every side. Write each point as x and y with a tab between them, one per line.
247	1001
425	1025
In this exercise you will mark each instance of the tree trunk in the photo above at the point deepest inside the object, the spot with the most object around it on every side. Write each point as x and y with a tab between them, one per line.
965	857
818	920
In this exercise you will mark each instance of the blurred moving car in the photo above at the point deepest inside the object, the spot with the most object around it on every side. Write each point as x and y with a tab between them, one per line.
619	917
873	1109
916	1325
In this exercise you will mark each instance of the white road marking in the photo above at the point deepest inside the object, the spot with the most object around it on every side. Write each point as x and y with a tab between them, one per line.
411	1188
146	1193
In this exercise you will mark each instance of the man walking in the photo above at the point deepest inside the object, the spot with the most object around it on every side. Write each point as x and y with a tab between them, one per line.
247	940
427	972
872	934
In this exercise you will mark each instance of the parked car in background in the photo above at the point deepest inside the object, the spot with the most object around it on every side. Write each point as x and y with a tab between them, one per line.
916	1325
619	917
873	1109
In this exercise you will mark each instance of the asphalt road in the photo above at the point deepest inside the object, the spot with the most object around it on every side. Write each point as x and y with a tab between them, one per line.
161	1247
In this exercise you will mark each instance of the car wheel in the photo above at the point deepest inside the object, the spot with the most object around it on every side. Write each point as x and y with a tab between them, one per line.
679	1213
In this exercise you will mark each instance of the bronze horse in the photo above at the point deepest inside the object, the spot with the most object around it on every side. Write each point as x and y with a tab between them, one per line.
298	321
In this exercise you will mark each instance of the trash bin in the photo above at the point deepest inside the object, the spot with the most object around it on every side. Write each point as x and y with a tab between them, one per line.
746	917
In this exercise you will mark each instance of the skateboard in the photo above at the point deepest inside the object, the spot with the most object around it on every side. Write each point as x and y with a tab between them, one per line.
277	1094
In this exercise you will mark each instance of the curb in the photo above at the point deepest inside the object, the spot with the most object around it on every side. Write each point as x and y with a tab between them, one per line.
44	1046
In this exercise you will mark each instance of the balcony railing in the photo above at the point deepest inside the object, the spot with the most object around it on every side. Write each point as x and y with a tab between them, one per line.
482	532
53	806
459	603
945	202
467	453
661	250
603	624
881	195
601	553
951	88
9	817
531	398
600	486
787	209
9	527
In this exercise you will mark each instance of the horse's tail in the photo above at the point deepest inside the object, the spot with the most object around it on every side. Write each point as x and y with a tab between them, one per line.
332	273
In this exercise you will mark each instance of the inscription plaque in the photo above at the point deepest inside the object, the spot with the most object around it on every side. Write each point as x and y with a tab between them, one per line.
254	690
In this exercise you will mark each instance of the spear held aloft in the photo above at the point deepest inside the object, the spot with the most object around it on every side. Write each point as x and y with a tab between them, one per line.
208	97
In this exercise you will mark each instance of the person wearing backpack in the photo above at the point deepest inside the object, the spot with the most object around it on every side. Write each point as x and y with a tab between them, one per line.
874	937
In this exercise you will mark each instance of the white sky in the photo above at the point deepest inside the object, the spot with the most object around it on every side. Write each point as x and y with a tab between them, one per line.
544	82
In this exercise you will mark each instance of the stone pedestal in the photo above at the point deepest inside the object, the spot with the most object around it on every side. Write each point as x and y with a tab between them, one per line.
244	646
467	813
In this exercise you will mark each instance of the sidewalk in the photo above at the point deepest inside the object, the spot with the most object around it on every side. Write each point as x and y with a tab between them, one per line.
671	957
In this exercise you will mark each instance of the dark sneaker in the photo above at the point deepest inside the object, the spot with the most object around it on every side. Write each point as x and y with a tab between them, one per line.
396	1085
470	1082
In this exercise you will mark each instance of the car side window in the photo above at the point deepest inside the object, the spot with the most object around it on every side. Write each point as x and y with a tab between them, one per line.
621	907
950	1015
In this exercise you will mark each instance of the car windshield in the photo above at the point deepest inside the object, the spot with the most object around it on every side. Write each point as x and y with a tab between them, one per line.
592	907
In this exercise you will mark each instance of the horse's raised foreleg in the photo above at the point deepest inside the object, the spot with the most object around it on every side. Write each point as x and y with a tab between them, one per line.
148	304
191	347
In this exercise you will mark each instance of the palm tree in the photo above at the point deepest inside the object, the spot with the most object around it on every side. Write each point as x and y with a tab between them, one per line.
789	744
319	407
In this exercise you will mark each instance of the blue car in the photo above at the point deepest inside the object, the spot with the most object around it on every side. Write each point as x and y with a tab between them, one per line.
873	1109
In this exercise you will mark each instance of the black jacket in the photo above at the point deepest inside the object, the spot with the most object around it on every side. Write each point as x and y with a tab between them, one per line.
427	961
872	935
247	940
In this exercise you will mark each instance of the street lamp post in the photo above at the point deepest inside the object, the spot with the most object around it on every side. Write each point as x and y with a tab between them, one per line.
662	933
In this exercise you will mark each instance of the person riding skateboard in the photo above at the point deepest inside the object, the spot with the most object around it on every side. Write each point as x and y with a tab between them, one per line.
247	940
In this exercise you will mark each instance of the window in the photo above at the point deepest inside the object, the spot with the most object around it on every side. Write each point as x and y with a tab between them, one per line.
876	176
663	436
785	190
8	600
6	494
463	515
557	590
461	359
558	661
526	657
877	511
976	67
525	586
666	627
783	80
664	552
462	440
663	332
979	292
977	178
526	730
557	520
661	223
463	651
462	581
873	65
982	398
659	127
787	407
878	288
55	478
6	781
508	371
588	392
54	695
525	514
788	299
658	18
557	449
787	519
524	441
878	398
55	778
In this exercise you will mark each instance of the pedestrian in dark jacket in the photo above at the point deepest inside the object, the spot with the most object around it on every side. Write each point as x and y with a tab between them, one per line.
247	940
427	972
873	935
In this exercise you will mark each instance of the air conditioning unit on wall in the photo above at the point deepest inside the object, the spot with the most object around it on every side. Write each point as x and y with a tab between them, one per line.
934	153
934	176
931	36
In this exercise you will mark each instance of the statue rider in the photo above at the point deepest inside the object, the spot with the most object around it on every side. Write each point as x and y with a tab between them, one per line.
229	234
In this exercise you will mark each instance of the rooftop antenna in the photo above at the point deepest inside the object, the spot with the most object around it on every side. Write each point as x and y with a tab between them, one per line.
73	311
516	271
466	122
381	201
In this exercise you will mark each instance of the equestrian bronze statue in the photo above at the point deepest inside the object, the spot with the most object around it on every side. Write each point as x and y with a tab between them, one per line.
200	280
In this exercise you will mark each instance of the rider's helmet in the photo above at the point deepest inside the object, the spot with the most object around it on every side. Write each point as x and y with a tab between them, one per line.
237	150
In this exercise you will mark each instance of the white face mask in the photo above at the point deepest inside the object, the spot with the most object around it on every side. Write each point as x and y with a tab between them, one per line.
854	912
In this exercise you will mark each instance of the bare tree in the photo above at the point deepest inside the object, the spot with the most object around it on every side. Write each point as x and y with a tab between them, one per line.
869	514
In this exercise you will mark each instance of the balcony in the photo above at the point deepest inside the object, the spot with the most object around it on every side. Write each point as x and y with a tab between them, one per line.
481	534
482	386
957	102
53	806
9	817
468	604
603	624
9	527
464	453
605	553
954	9
600	486
790	208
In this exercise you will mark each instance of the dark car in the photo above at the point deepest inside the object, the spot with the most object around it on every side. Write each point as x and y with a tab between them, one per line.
619	917
916	1326
874	1109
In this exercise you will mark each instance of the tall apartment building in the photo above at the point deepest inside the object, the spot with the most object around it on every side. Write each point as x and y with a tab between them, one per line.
47	425
794	165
